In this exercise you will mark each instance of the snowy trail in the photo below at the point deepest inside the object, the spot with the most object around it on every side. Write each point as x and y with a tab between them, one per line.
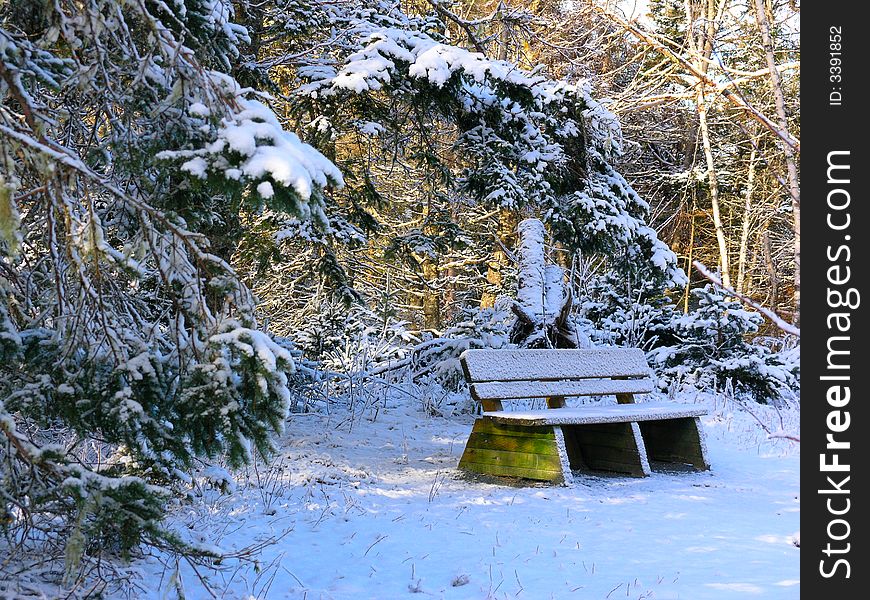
378	512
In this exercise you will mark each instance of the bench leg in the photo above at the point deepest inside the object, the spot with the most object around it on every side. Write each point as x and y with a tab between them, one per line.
528	452
676	441
564	461
615	447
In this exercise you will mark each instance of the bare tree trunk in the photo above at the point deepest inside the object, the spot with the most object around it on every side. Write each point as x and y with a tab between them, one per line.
430	290
431	299
747	217
688	267
448	306
788	151
713	182
770	267
449	312
505	35
505	236
703	49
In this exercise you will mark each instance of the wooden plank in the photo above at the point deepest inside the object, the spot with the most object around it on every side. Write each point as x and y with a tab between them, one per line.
599	433
601	439
623	451
491	405
610	436
674	429
594	454
573	449
602	413
549	365
503	390
486	425
634	470
604	447
508	471
512	443
525	460
514	451
628	457
676	441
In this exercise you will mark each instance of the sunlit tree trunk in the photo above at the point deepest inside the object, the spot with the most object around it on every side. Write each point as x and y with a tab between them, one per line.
429	288
703	49
763	22
747	217
713	182
431	297
505	237
770	267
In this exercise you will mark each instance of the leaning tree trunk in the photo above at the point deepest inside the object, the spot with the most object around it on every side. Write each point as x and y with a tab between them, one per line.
530	278
543	306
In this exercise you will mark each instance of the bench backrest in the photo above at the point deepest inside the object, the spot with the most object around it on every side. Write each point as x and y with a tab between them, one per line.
496	375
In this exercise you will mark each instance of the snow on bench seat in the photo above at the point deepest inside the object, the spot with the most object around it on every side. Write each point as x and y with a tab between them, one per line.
506	390
609	413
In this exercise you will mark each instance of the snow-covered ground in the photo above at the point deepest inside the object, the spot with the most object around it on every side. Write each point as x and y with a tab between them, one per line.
373	507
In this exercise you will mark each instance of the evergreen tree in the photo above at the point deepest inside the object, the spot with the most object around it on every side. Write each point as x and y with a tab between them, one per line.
710	350
129	155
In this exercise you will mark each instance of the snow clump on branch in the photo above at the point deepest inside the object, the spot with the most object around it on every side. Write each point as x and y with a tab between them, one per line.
251	147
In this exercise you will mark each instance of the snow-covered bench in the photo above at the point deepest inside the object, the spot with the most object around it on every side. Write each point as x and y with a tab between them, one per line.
547	444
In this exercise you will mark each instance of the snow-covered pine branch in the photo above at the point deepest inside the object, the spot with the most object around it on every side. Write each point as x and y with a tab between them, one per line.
122	322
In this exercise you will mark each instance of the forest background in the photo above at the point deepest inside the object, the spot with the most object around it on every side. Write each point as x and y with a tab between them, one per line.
215	213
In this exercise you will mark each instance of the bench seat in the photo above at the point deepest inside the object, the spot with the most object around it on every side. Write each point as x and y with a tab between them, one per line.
603	413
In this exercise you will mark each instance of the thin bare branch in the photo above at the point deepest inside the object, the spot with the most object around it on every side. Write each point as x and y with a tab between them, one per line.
772	316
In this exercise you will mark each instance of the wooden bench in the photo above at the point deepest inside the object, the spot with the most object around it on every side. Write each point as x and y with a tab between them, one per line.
549	443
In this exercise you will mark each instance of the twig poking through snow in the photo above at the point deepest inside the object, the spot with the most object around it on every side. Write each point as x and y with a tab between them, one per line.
381	538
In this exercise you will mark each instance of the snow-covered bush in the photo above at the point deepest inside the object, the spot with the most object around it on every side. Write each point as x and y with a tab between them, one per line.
128	343
439	357
605	216
253	157
362	343
353	340
711	348
614	311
